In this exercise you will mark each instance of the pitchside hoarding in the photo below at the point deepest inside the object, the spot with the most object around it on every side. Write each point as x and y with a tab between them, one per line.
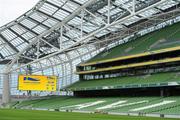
37	82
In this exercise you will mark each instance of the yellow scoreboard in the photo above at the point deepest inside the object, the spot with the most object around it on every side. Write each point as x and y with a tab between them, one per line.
37	82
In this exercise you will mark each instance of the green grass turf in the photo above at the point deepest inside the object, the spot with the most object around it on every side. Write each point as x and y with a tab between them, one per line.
9	114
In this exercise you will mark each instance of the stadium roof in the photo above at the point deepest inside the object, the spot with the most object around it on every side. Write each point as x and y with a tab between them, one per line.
56	26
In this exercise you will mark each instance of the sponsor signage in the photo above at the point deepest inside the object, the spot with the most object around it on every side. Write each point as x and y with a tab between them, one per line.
37	82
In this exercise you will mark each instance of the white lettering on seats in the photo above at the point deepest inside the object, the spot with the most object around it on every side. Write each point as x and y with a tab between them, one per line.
120	104
84	105
111	105
154	105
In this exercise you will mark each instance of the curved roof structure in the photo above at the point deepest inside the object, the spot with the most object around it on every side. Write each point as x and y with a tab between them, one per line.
66	32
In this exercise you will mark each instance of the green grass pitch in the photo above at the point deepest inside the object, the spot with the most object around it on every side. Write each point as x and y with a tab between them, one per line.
9	114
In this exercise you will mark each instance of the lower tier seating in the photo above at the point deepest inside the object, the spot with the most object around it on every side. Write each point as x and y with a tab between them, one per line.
160	105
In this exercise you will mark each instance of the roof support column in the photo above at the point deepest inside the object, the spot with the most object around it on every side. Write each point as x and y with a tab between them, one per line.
109	7
82	18
134	6
6	88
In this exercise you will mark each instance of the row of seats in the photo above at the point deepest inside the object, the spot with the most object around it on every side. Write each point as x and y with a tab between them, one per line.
146	79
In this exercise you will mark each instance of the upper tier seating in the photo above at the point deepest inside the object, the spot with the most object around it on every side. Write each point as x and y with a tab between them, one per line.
160	39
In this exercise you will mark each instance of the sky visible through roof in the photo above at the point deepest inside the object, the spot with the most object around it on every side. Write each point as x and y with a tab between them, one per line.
12	9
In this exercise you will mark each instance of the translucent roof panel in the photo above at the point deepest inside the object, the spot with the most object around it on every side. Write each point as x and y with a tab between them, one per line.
29	23
49	9
167	4
50	22
149	12
38	17
39	29
70	6
60	14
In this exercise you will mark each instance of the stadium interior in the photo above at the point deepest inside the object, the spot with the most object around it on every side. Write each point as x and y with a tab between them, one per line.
107	56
